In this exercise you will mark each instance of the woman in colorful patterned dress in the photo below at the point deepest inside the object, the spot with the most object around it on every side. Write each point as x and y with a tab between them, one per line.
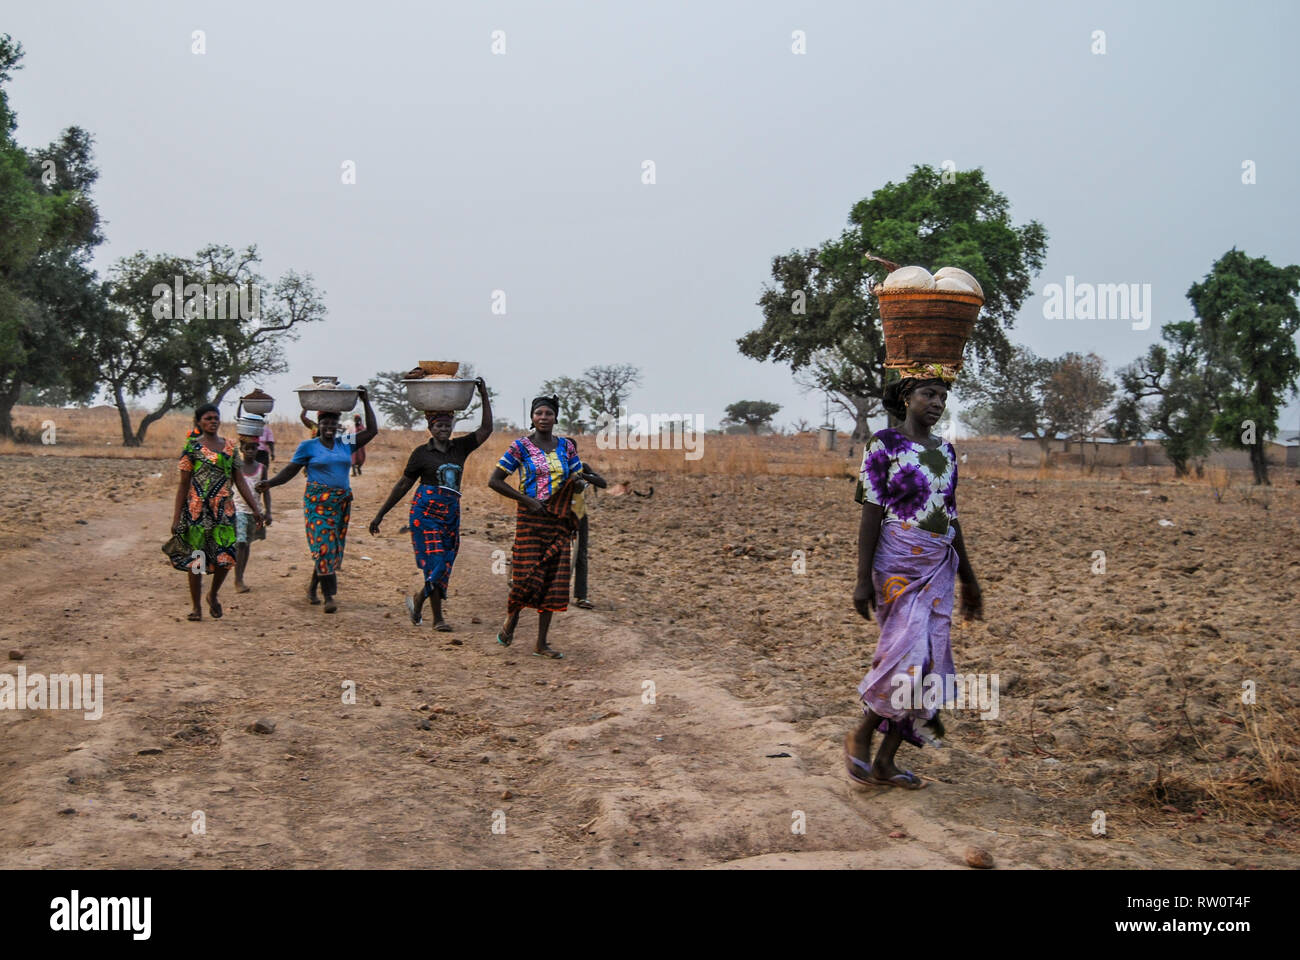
204	513
549	470
435	508
327	500
910	552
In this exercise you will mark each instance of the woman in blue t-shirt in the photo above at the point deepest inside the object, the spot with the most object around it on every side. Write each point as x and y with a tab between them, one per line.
327	500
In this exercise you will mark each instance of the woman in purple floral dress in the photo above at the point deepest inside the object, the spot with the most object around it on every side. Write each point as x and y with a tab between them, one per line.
910	552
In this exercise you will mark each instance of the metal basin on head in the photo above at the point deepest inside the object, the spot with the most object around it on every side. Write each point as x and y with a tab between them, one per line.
436	393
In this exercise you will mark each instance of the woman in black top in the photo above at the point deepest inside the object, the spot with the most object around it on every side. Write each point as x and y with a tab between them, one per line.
435	509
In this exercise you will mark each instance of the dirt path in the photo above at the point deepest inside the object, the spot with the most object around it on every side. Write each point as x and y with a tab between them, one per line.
566	757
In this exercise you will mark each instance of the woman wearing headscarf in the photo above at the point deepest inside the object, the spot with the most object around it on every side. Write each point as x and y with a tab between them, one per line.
327	499
203	516
435	508
549	470
910	553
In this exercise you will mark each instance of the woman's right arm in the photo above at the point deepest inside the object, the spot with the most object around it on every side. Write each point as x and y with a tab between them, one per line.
498	483
182	489
288	473
864	594
403	484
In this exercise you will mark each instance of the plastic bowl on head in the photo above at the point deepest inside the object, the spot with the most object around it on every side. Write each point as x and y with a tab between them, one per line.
438	394
327	399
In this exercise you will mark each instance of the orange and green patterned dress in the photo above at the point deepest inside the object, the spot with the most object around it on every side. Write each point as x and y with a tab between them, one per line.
208	518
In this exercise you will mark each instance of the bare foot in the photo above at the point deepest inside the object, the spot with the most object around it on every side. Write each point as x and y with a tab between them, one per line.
195	614
242	588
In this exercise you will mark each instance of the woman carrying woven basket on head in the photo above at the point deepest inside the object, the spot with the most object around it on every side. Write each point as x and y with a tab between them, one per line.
549	471
435	508
910	552
203	517
327	500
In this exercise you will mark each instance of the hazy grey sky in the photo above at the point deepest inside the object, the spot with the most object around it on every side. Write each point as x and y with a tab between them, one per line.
522	172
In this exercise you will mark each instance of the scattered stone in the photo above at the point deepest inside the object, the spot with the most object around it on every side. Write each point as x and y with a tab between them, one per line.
506	795
424	724
67	812
423	708
485	759
16	654
897	835
148	751
262	726
475	620
377	702
979	858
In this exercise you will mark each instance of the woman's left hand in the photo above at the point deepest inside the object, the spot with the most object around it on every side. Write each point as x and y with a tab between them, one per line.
972	600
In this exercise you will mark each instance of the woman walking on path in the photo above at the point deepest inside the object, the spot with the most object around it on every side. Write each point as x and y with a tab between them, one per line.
549	469
435	508
246	530
910	552
327	499
358	452
203	516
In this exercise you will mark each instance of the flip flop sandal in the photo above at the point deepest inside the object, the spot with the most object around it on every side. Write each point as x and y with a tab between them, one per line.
548	654
907	780
330	605
215	610
416	619
313	599
443	627
584	604
194	616
504	643
854	766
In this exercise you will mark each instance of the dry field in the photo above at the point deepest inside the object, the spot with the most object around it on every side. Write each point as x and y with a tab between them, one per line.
1120	691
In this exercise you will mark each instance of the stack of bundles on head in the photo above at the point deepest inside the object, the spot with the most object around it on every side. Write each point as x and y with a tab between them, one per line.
250	425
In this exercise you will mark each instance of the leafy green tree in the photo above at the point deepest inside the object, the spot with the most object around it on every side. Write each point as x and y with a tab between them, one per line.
49	296
1013	396
1249	319
389	397
200	347
818	312
576	402
753	414
1172	390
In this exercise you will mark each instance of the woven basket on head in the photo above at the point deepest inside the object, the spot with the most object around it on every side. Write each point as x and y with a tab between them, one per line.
439	368
926	326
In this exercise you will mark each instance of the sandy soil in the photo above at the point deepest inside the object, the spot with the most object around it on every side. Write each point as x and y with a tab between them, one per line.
1120	692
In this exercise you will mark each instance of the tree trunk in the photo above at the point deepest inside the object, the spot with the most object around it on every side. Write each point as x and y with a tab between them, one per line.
9	397
1259	463
1180	466
124	416
1044	450
150	418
